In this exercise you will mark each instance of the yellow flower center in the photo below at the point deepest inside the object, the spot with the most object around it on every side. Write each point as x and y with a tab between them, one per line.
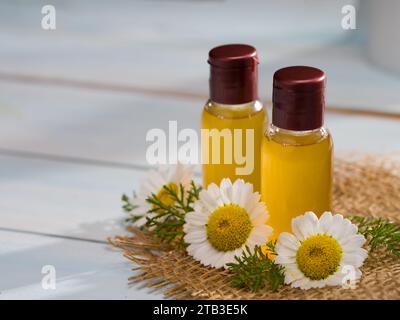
319	256
228	227
165	197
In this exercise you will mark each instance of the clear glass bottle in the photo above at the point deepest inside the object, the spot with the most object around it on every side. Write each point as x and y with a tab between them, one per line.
250	115
233	117
297	151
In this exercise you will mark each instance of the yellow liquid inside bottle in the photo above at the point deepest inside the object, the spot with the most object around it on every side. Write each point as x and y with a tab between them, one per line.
296	175
245	116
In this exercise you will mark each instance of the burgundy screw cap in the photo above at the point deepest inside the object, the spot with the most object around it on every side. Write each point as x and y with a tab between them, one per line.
233	74
298	98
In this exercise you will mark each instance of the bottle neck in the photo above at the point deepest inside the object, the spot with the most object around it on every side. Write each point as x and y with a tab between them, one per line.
233	110
296	137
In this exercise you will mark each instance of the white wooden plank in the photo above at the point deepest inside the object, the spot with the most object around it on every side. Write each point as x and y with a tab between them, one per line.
63	199
84	200
105	39
91	124
138	43
113	127
84	270
364	134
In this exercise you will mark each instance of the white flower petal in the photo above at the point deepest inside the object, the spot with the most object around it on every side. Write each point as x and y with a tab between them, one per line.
288	240
353	241
355	260
152	183
304	226
196	236
156	181
209	202
196	218
292	273
335	279
227	258
259	215
296	227
282	250
201	209
259	238
281	259
250	243
317	283
303	283
343	230
325	222
264	230
226	191
336	226
239	251
216	260
348	231
311	224
239	192
182	174
203	252
253	201
353	255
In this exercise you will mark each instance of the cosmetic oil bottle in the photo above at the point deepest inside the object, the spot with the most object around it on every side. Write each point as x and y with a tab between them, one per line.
233	120
297	148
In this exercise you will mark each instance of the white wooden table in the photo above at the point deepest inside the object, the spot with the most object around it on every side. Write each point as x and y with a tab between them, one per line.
76	103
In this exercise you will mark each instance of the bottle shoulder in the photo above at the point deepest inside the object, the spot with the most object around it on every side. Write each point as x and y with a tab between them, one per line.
238	111
298	138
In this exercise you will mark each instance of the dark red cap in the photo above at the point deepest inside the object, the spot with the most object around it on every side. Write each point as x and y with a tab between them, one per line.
233	74
298	98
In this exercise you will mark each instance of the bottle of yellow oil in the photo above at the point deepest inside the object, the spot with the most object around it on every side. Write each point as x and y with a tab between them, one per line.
233	120
297	151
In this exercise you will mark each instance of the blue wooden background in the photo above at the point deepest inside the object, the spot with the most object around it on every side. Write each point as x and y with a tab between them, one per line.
76	103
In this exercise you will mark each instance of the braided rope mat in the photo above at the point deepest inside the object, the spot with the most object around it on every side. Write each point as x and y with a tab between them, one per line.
364	186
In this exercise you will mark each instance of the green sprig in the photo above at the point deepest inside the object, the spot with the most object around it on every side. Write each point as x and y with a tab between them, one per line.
166	221
255	270
379	232
129	208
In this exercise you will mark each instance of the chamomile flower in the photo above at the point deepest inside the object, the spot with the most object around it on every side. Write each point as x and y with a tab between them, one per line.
318	251
225	220
153	183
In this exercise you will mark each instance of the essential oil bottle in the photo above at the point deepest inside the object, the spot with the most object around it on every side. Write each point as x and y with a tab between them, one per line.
297	149
234	117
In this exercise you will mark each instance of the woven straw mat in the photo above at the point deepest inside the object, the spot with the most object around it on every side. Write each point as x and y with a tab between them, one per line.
364	186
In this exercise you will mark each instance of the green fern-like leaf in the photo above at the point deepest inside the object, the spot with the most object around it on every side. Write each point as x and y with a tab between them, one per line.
379	232
255	270
167	221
